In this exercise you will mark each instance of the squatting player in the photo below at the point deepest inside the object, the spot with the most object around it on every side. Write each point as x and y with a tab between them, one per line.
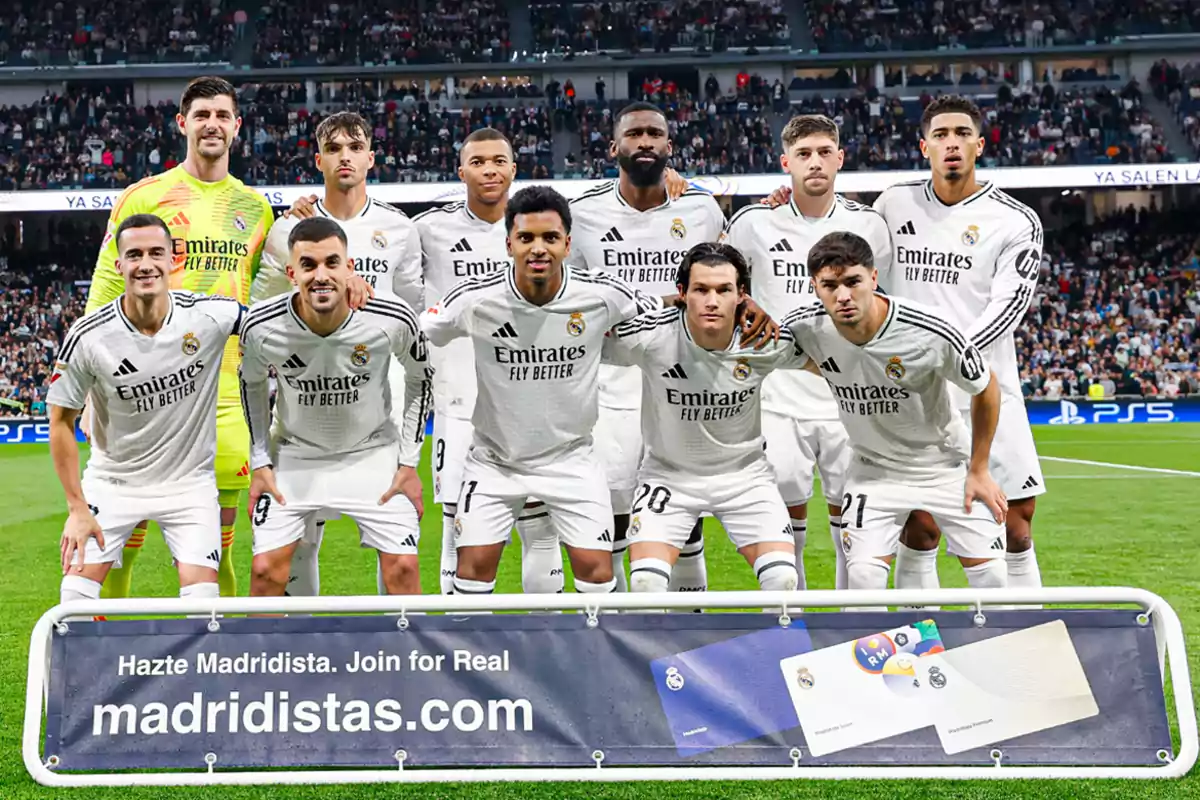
150	361
800	416
219	227
896	361
537	330
632	228
334	445
973	253
702	425
384	247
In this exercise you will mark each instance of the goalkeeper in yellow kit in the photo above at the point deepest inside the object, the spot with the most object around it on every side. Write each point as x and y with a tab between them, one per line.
219	227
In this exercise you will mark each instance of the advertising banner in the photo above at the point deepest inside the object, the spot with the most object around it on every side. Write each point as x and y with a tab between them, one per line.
1063	687
1118	411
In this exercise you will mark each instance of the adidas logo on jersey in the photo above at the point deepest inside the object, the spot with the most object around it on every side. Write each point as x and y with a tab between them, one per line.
294	363
782	246
463	246
907	229
1030	482
613	235
126	368
505	331
675	372
829	365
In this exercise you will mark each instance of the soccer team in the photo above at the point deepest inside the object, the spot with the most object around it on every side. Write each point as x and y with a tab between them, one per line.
603	372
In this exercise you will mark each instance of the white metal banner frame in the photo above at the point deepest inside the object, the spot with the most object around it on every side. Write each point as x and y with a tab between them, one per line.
1154	610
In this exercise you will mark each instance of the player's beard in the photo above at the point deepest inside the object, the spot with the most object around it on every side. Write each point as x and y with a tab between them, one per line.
643	174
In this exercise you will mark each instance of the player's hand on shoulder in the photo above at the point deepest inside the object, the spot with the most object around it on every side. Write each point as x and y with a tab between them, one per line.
778	197
359	291
303	207
81	525
757	326
407	482
262	482
676	184
981	486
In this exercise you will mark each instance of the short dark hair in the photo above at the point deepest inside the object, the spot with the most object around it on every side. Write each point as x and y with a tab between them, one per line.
485	135
951	104
713	254
136	221
316	229
534	199
804	125
205	88
633	108
839	251
350	123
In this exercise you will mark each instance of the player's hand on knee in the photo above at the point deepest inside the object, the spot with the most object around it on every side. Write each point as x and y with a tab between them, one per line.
407	482
81	526
757	325
262	482
358	291
676	184
303	208
778	197
981	486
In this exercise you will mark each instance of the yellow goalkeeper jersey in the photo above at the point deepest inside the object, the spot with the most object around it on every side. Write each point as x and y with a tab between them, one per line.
219	230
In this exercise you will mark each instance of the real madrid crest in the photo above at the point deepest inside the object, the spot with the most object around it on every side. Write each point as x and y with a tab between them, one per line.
937	678
894	369
741	370
360	356
804	678
970	236
674	679
239	222
457	527
379	240
635	525
191	345
846	541
678	230
575	325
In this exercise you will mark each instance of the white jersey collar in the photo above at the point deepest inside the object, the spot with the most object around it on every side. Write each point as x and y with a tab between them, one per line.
125	320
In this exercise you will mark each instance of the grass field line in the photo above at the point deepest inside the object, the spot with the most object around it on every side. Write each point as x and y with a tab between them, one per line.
1134	467
1118	477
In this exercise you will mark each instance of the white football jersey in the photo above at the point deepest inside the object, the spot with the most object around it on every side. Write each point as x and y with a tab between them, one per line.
642	248
456	245
383	244
154	398
332	392
538	366
893	392
976	262
700	408
776	242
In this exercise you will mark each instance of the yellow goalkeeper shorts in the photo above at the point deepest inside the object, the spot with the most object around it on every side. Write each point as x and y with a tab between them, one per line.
233	449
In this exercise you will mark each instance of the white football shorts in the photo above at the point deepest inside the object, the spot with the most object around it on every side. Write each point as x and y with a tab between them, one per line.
188	515
451	443
797	448
618	443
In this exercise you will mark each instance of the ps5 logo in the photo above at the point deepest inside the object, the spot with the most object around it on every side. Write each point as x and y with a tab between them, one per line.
1068	413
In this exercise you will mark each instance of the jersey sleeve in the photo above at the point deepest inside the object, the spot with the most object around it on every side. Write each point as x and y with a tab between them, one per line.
1013	284
624	345
880	239
965	367
410	348
408	282
625	302
73	376
272	279
107	283
450	319
789	354
734	235
253	373
716	219
266	222
225	311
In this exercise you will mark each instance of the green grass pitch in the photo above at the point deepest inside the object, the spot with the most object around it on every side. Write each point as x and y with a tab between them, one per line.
1097	525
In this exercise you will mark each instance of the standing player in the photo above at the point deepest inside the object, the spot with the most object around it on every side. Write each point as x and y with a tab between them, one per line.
704	444
973	253
151	362
800	417
537	330
632	228
334	446
384	247
219	227
891	363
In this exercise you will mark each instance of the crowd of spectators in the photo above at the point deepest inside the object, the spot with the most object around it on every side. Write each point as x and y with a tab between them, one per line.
1117	310
1179	87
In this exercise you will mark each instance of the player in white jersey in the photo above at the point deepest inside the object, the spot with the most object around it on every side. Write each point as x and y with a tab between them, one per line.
800	417
151	360
387	261
891	364
537	331
459	241
702	425
632	228
334	445
973	253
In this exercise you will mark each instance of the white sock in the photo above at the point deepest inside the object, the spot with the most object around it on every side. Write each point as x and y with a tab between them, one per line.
541	556
305	580
77	587
776	571
916	569
991	574
839	552
649	575
449	549
1023	571
618	562
200	590
867	573
468	586
800	537
586	587
690	573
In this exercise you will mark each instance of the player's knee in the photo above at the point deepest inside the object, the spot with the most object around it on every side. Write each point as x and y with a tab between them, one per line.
921	532
1018	526
592	566
401	573
267	570
649	575
776	571
990	574
866	573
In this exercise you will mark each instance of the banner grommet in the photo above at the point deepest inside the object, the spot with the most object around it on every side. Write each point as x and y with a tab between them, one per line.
401	756
598	757
210	760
